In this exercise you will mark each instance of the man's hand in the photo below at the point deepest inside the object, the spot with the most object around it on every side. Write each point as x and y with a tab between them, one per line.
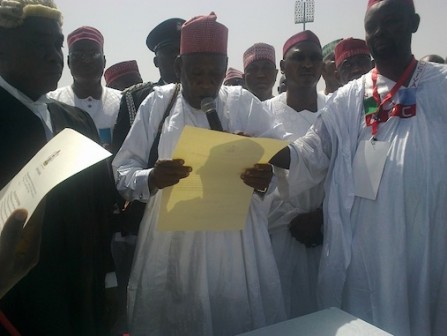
258	177
282	158
306	228
19	247
167	173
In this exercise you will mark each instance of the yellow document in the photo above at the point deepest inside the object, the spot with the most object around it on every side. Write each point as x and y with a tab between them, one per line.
213	197
66	154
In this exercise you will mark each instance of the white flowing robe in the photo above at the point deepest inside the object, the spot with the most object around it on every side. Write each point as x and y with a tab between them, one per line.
197	283
297	265
103	111
383	260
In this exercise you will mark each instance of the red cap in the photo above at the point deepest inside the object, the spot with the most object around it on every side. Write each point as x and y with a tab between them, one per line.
233	73
349	47
405	2
203	34
85	33
259	51
119	69
303	36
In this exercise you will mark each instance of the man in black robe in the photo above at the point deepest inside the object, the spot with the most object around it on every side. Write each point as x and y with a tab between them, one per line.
64	293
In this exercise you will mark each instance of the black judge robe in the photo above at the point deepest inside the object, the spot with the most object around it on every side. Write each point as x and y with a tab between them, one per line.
64	293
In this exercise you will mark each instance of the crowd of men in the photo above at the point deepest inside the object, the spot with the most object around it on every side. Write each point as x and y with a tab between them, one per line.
350	214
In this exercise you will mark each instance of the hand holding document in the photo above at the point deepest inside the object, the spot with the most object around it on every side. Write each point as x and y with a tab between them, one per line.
19	247
213	197
63	156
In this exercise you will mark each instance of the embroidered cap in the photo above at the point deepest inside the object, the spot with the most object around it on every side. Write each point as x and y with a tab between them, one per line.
85	33
121	69
257	52
306	35
233	73
349	47
203	34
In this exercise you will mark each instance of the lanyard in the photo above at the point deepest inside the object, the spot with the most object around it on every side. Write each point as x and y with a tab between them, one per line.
374	74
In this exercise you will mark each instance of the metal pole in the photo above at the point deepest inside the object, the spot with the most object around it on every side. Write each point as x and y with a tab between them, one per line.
304	12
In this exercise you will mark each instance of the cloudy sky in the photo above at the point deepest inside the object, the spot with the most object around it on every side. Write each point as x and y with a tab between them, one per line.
126	23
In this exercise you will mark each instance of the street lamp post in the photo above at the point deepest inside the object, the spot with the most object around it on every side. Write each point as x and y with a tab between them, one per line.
304	12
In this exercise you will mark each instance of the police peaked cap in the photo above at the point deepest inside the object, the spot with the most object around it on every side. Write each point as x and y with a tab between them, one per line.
166	33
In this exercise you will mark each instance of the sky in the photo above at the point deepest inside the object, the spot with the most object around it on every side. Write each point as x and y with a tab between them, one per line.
126	23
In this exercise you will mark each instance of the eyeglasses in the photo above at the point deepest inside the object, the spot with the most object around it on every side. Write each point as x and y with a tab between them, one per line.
89	55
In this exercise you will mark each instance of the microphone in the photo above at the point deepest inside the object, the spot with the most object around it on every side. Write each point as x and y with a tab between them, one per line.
209	106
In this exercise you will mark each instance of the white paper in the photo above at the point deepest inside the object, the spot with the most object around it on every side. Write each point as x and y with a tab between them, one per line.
66	154
367	167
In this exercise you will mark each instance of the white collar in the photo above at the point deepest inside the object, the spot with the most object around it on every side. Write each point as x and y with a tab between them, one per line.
38	107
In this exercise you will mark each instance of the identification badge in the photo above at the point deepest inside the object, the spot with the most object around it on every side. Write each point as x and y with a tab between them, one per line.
105	136
369	161
405	103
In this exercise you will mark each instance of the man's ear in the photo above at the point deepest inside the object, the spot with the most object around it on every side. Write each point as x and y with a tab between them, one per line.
324	69
178	67
155	61
416	20
337	75
282	66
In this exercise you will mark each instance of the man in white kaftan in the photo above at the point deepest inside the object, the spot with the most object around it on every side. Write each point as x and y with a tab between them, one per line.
86	61
297	261
384	258
197	282
297	264
103	110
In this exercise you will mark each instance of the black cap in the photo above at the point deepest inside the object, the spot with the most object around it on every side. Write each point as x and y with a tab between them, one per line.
166	33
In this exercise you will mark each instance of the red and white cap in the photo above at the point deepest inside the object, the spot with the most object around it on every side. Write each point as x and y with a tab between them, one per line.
119	69
257	52
233	73
203	34
85	33
349	47
405	2
303	36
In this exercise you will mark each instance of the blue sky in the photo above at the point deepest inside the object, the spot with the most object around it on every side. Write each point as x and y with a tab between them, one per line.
125	25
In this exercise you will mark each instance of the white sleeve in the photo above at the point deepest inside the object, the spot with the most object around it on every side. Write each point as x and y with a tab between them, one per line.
255	119
309	162
129	165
